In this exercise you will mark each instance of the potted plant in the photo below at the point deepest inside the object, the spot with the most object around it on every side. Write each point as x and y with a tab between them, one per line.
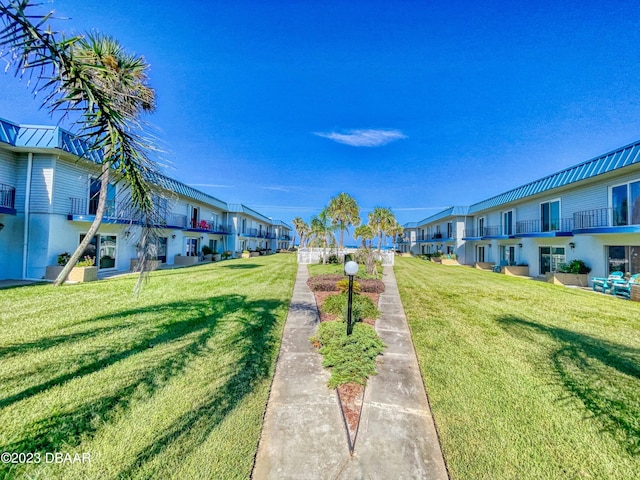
573	273
226	254
207	253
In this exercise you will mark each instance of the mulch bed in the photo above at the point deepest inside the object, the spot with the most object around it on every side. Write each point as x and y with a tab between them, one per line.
350	394
327	317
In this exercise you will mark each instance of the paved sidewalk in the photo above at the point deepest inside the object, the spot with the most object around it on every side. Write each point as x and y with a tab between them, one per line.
303	435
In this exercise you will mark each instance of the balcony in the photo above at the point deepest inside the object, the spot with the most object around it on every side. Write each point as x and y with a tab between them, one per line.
435	237
494	231
113	213
7	199
605	220
285	237
537	228
208	227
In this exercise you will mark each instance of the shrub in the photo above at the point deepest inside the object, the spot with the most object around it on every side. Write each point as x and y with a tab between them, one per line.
332	258
352	358
343	286
87	261
363	307
574	266
63	258
328	283
206	250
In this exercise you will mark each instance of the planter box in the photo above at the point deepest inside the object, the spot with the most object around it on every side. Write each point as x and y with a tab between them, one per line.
449	261
83	274
207	258
184	260
216	257
577	279
77	274
635	293
253	254
246	255
150	266
515	271
484	265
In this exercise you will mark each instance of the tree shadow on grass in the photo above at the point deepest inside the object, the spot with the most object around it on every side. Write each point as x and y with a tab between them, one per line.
604	375
242	266
254	341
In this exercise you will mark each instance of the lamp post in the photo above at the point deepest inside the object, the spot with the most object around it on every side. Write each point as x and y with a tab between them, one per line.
350	269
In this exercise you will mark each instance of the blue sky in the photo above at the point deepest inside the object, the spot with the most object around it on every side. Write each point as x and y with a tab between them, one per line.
416	106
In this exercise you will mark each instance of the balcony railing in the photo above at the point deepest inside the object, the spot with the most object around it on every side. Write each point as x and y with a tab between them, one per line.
537	226
602	217
7	196
435	236
211	227
492	231
285	237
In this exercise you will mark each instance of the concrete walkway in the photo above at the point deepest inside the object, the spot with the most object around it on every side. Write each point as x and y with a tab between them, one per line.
303	435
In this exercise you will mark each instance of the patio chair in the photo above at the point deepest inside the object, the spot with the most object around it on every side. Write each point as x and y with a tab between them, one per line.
498	268
607	283
624	289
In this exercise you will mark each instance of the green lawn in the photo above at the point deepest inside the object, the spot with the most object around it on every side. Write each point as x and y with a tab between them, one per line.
172	384
526	380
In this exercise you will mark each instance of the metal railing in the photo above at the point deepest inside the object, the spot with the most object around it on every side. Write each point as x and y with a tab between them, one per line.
537	226
7	196
599	217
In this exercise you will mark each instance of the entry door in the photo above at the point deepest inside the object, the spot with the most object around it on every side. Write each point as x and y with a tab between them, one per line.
551	258
104	248
480	254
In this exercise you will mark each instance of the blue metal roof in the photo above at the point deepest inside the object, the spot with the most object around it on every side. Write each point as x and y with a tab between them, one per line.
455	211
240	208
410	225
8	132
48	137
620	158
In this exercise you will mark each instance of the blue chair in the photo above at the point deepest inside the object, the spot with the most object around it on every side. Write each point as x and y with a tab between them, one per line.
607	283
624	289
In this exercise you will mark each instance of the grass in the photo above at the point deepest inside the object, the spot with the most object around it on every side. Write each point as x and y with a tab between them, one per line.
526	380
172	384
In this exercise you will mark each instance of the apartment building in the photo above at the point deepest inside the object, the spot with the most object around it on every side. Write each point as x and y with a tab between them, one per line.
48	198
590	211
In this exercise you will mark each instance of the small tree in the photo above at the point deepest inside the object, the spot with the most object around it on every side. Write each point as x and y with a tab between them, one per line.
94	77
343	210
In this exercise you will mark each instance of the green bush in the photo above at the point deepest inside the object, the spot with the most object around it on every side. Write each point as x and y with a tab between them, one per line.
574	266
343	286
352	358
362	306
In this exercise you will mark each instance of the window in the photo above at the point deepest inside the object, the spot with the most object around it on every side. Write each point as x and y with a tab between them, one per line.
480	253
623	259
194	216
449	229
103	248
551	258
550	216
94	196
191	249
508	254
625	204
507	223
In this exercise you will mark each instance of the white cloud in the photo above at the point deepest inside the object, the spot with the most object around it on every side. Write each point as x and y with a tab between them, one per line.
364	138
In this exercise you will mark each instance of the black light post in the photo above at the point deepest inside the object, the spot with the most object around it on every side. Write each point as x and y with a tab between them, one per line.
350	269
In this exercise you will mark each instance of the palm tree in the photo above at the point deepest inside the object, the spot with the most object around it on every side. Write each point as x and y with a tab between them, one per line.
94	77
300	227
365	233
321	229
381	221
304	234
343	211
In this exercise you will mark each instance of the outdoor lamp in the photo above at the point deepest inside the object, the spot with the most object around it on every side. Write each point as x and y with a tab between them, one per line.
1	226
350	269
572	245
